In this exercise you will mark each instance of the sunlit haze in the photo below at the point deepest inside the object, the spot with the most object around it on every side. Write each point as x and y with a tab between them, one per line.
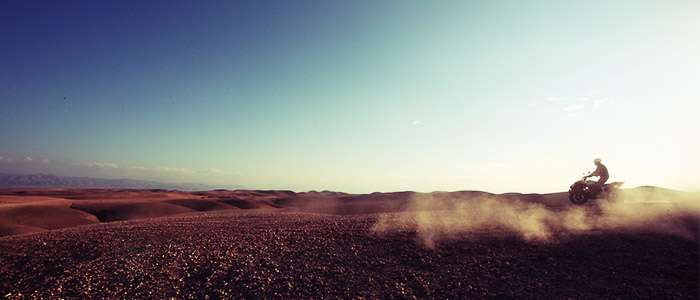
354	96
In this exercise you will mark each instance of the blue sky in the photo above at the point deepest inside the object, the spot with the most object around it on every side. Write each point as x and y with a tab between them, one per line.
356	96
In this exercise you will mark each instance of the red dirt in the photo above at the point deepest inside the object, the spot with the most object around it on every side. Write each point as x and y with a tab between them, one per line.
108	211
201	204
313	245
20	215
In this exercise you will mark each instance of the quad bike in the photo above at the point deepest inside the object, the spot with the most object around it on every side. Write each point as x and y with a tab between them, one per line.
583	190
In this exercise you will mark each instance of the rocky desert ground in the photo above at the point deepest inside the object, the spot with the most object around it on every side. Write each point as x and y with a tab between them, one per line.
155	244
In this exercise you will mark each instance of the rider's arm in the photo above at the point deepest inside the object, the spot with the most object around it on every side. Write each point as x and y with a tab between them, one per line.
595	173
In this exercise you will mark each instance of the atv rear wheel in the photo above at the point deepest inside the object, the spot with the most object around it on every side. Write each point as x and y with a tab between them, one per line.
578	198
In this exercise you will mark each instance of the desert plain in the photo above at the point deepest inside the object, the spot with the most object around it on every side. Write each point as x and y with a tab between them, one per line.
219	244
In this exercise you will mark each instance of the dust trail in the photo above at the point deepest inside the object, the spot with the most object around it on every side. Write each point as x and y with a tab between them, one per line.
434	218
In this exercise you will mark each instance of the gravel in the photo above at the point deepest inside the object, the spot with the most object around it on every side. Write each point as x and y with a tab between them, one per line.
282	255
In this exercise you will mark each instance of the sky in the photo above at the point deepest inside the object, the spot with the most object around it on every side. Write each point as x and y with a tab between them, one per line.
355	96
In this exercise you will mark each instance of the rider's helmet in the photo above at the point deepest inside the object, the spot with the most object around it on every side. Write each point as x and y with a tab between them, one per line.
596	161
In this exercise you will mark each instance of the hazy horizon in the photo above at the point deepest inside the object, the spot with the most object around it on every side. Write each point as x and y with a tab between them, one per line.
502	96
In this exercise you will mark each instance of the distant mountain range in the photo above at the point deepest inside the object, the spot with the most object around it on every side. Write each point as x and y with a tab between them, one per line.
50	180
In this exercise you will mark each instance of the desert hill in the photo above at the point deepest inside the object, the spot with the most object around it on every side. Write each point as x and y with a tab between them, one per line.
120	243
32	210
220	244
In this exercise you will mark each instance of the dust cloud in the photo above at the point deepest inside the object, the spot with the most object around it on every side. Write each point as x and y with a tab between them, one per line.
646	209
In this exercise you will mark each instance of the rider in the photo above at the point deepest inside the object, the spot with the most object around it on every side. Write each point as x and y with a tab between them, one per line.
601	171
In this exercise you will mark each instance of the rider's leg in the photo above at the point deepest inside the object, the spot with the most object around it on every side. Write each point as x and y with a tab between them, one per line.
600	185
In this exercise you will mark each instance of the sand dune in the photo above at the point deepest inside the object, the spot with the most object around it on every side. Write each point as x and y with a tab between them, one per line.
201	204
108	211
32	214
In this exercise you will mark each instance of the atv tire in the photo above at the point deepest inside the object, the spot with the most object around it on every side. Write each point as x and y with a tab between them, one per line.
578	198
